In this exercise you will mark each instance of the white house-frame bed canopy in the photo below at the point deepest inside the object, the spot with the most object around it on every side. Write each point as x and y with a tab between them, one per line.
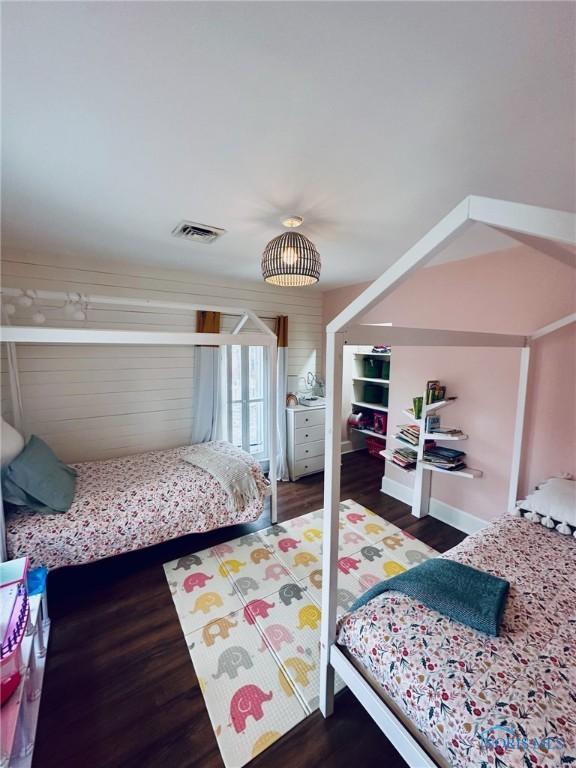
259	335
543	229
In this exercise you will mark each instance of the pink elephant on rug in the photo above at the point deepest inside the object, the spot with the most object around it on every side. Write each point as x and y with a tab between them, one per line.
247	702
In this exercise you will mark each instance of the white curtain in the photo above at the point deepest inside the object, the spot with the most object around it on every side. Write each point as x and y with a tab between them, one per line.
206	400
282	388
206	396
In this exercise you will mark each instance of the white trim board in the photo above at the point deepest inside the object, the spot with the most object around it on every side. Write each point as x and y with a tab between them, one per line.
457	518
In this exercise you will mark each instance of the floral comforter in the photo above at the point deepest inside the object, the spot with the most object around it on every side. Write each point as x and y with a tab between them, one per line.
485	701
128	503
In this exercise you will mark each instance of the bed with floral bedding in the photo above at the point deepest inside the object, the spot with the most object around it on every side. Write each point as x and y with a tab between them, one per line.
131	502
482	701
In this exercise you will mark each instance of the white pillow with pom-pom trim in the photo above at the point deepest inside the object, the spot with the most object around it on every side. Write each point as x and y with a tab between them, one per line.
554	502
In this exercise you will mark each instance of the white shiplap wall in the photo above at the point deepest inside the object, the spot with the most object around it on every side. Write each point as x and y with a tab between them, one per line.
96	402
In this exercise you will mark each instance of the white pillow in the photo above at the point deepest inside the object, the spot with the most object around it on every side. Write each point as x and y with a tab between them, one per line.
11	443
553	504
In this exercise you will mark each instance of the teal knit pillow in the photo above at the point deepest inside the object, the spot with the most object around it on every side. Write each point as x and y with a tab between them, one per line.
38	480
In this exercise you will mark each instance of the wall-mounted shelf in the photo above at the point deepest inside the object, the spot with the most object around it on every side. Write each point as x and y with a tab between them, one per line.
436	406
405	442
469	473
388	456
441	436
424	469
372	354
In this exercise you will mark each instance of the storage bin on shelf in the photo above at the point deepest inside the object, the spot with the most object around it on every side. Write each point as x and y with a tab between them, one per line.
373	393
375	445
372	368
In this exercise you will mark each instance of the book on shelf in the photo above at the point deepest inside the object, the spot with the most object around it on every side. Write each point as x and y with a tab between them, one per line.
405	458
444	458
449	431
432	423
434	392
409	432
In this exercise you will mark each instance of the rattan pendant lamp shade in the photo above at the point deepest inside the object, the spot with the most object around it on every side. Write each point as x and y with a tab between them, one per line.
291	260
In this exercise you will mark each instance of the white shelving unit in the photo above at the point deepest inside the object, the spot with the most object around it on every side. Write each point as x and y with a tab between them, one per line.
359	382
423	471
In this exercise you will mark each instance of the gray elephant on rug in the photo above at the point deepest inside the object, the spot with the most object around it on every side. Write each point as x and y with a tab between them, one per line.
344	598
290	592
231	660
370	553
187	562
244	585
414	556
275	530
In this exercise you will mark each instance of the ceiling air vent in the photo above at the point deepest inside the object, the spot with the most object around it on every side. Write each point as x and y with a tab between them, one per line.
199	233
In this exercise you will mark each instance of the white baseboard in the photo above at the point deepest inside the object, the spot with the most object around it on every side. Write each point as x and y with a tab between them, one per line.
347	447
457	518
397	490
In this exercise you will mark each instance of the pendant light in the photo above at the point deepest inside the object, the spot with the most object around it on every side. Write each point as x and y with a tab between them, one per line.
291	259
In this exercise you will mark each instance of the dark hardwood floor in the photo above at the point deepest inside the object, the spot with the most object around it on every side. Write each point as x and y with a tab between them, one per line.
120	690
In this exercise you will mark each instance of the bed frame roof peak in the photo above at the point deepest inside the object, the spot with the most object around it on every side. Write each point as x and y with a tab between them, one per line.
544	229
262	335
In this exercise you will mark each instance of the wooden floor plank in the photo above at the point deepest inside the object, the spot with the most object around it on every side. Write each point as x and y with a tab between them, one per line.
120	689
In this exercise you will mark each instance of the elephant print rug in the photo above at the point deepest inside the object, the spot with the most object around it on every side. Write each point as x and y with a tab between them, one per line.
250	613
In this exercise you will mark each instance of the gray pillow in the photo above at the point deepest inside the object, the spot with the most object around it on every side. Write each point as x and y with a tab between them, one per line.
38	480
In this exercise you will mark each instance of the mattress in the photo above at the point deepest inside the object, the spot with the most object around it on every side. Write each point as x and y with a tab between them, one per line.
127	503
507	701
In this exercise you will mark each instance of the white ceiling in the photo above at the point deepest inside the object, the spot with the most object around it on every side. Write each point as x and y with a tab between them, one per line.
371	120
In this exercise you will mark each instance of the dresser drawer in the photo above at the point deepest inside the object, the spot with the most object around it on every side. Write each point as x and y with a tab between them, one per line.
308	450
308	435
309	418
306	466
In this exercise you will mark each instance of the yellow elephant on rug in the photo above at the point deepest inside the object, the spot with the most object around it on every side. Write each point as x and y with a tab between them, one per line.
309	616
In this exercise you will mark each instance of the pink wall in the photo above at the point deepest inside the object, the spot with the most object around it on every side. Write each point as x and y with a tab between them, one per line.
550	428
515	291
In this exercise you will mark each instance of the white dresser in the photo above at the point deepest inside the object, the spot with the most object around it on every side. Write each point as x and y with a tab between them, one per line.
305	439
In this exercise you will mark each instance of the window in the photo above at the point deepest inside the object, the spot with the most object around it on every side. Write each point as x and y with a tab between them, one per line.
246	397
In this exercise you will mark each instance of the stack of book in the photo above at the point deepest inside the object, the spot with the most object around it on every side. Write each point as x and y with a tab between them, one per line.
405	458
409	432
444	458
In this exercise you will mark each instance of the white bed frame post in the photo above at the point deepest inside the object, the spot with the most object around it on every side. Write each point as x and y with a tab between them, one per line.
334	370
518	428
521	404
273	430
